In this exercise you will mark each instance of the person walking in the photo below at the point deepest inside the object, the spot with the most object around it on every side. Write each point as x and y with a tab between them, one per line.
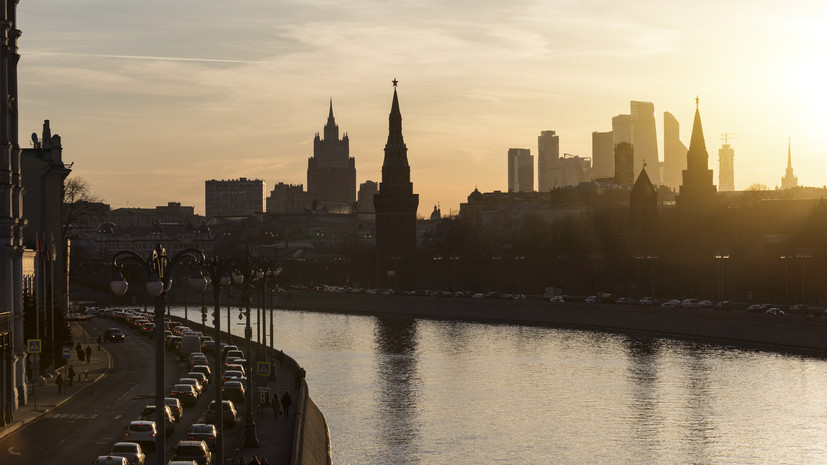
285	403
79	350
72	375
280	358
88	354
300	374
59	382
99	342
275	405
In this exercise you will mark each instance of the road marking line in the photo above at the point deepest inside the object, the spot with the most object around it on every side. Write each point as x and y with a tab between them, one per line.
13	452
118	417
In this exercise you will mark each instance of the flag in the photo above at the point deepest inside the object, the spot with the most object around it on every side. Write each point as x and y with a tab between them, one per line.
53	251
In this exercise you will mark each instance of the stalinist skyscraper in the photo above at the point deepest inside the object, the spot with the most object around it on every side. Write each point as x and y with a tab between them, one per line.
395	206
789	180
331	171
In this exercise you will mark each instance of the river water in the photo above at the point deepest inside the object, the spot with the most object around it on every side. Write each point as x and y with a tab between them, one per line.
405	391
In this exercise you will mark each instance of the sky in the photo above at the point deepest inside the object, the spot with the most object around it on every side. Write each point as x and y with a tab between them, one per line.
152	98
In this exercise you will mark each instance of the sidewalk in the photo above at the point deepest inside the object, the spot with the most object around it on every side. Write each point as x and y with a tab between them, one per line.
275	435
46	397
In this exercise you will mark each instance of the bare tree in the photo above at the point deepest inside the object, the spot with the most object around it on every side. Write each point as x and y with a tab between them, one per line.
80	205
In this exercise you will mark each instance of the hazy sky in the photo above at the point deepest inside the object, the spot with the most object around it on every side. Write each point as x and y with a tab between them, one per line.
151	98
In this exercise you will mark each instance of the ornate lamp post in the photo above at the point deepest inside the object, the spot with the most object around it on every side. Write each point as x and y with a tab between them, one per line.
273	274
158	268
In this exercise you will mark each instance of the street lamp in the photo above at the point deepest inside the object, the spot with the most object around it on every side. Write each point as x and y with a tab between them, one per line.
437	259
453	259
273	273
158	268
720	257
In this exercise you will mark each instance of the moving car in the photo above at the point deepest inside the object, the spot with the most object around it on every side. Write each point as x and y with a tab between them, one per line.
113	335
129	450
193	450
143	432
203	432
185	393
169	419
111	460
194	383
175	405
233	390
229	414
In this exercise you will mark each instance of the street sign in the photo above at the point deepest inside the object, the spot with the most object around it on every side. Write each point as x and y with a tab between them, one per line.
67	352
263	368
263	395
34	346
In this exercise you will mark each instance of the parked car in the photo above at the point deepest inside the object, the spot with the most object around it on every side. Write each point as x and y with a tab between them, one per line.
143	432
203	432
113	335
193	450
130	450
758	308
229	415
592	299
175	405
648	301
691	303
556	299
799	309
672	303
724	305
704	304
775	311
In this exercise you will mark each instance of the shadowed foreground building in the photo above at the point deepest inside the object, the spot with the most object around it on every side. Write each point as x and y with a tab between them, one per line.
395	206
237	197
697	190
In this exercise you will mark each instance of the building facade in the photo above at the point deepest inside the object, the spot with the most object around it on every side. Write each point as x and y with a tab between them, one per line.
331	171
287	198
395	206
674	152
548	152
603	163
237	197
367	190
520	170
726	168
624	164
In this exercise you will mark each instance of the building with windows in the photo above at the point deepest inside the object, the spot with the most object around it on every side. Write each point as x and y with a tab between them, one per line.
603	164
520	170
548	152
726	168
624	164
645	139
674	152
287	198
331	171
237	197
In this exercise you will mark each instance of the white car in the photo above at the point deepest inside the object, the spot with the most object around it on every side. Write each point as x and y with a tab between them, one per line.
130	450
143	432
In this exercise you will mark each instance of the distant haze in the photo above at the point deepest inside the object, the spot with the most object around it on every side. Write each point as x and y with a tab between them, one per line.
152	98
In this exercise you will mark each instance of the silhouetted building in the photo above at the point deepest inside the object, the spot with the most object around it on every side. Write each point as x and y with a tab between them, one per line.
548	152
395	206
520	170
331	171
237	197
624	164
645	139
697	190
603	163
287	198
570	170
789	180
643	217
171	213
366	192
726	168
622	129
674	152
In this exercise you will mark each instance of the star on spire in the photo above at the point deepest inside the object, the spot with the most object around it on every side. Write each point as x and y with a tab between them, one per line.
394	82
696	101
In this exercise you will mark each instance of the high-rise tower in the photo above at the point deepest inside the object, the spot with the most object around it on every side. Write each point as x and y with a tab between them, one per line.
331	171
645	139
726	167
395	206
548	152
697	190
674	152
520	170
789	180
602	155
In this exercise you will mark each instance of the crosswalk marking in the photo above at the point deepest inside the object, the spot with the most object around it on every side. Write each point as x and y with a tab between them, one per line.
71	416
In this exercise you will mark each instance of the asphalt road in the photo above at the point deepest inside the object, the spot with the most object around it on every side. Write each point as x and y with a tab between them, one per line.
90	423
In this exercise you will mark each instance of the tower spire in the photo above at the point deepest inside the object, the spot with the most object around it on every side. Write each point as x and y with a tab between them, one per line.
789	156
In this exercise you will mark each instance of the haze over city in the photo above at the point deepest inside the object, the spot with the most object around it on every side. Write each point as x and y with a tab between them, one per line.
153	98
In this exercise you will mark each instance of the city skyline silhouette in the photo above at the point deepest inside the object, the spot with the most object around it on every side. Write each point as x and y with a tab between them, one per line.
152	105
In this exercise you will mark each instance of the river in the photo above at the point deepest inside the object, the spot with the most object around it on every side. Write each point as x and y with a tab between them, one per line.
404	391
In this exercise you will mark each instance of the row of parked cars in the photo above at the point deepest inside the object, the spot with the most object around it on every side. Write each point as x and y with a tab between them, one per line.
139	437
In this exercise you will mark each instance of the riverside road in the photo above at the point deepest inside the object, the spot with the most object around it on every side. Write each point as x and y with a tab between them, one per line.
95	418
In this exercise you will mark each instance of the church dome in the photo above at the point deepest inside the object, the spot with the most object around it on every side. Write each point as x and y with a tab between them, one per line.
475	197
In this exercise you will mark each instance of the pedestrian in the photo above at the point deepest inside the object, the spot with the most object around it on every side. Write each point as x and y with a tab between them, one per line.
280	357
88	354
79	350
99	342
59	382
255	461
285	403
72	375
275	405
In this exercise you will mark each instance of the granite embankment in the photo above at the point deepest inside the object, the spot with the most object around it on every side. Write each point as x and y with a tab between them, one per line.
796	333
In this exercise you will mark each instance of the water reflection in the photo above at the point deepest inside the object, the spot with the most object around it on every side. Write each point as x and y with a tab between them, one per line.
398	385
700	431
642	374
